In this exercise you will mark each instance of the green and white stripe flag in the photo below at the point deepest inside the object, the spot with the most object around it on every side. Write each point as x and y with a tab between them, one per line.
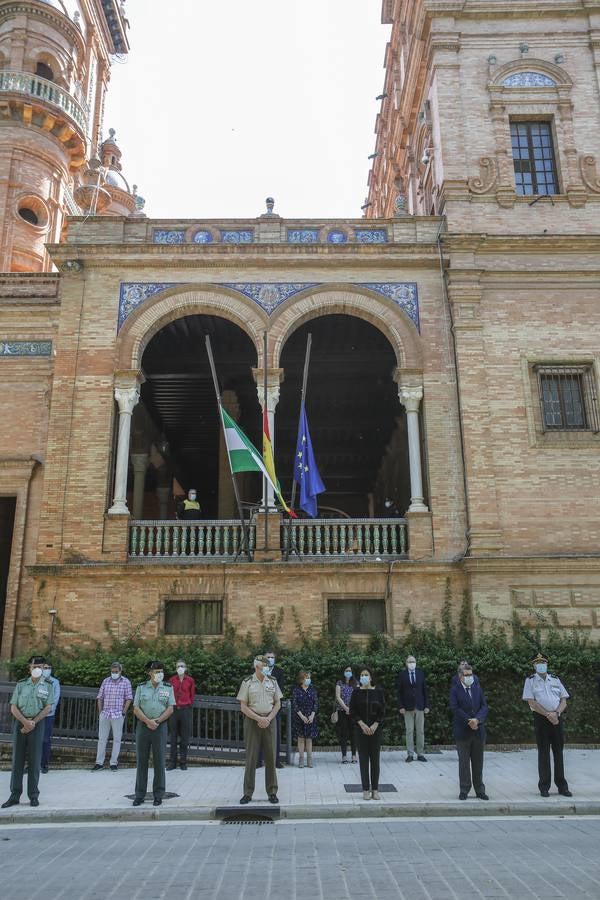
243	455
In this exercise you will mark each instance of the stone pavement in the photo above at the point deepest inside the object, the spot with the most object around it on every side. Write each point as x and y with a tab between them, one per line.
422	789
459	859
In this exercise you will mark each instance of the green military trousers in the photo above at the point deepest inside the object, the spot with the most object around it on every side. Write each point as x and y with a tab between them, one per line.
146	740
27	748
257	739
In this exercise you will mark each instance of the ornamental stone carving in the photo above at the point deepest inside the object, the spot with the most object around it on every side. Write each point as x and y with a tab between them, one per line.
589	172
487	178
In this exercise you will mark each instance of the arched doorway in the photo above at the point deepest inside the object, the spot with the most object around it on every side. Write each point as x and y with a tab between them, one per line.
176	426
357	425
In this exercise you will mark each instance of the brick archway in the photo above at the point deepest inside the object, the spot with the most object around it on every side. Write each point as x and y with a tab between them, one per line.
174	303
392	321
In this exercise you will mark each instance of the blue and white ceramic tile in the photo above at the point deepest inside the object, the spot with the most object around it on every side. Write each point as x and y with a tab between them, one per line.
370	235
269	295
25	348
203	237
404	294
337	237
303	235
237	237
134	293
528	79
168	237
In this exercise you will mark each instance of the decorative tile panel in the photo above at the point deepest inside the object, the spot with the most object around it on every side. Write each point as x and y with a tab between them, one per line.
134	293
160	236
337	237
371	235
203	237
269	295
528	79
303	235
404	294
25	348
237	237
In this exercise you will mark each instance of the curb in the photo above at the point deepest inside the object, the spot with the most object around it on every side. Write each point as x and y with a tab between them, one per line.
455	809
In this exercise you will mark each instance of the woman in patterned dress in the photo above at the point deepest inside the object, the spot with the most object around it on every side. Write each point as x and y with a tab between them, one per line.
305	705
345	729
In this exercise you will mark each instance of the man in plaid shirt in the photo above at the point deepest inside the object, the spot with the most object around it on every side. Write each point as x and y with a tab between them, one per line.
114	699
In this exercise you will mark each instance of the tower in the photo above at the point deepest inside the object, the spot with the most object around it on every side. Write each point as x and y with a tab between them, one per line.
55	58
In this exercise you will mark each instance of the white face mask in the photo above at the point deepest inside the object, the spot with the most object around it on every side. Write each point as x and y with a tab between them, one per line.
47	672
468	680
180	670
36	672
158	676
411	666
115	675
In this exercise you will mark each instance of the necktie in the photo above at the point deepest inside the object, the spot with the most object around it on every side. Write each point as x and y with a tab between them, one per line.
469	693
412	678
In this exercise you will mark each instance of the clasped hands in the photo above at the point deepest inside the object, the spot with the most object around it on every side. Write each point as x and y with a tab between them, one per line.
28	726
552	717
474	724
369	729
308	720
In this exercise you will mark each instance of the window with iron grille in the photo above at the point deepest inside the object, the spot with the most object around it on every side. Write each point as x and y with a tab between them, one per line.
194	617
568	398
533	158
356	616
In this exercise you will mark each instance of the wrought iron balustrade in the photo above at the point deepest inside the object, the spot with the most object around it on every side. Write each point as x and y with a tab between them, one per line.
217	724
37	88
345	538
164	540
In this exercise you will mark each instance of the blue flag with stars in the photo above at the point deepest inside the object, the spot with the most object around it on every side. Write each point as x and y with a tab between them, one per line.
306	474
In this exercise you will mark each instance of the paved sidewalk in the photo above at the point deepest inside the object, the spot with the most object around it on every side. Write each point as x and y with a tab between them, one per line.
421	789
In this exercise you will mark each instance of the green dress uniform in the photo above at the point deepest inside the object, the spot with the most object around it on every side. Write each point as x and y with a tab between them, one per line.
260	697
152	701
30	698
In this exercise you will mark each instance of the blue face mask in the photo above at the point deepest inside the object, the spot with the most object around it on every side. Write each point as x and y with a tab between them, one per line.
266	670
365	679
468	680
541	668
348	674
307	682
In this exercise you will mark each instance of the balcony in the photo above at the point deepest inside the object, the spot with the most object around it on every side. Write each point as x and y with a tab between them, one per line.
33	88
339	540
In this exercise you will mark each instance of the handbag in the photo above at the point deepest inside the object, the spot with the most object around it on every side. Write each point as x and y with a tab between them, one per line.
335	715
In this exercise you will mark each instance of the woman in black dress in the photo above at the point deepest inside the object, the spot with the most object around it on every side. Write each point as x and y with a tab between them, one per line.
367	711
305	705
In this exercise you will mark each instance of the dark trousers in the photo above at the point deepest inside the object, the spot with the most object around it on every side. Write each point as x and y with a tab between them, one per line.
46	746
180	729
27	748
259	740
470	763
259	761
146	740
549	736
369	747
346	734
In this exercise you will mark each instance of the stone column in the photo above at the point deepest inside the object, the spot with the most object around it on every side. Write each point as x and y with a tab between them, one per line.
274	379
411	400
140	464
127	398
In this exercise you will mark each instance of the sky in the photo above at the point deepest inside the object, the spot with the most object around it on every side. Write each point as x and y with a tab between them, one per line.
220	104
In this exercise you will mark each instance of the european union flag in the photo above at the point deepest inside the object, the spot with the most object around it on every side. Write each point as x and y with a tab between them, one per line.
306	474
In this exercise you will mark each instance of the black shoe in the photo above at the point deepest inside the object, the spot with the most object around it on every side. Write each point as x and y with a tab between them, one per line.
246	799
422	758
97	767
273	798
545	793
183	767
34	802
462	796
113	768
157	801
279	765
138	801
483	796
44	770
566	793
259	765
409	758
171	767
12	801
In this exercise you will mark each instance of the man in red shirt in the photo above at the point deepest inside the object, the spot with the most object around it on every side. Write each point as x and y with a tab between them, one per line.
180	723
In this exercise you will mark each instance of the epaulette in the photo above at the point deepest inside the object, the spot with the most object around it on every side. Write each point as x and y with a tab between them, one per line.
23	680
249	678
531	676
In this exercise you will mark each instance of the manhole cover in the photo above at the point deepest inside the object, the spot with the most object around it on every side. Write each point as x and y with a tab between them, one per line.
383	789
168	795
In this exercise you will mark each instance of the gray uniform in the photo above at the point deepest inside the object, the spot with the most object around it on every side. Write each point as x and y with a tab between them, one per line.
152	701
30	698
260	697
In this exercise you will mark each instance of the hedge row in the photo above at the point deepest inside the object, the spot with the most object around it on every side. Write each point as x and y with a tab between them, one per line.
502	660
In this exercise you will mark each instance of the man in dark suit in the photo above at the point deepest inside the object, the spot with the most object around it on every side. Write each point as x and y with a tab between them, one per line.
469	712
411	696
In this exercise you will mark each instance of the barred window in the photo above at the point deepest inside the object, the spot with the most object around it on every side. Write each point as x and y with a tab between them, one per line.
568	399
356	616
533	158
201	617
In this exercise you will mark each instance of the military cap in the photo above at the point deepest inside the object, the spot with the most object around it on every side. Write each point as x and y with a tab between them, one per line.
262	659
154	664
36	660
539	658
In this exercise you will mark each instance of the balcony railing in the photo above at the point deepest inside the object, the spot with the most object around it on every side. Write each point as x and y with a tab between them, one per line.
158	540
345	538
40	89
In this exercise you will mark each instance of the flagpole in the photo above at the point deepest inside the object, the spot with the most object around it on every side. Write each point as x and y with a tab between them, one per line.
245	534
302	401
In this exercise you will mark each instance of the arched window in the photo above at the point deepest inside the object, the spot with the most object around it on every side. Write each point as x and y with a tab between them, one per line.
43	70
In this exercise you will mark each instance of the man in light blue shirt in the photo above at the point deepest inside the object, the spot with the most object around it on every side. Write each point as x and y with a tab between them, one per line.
49	720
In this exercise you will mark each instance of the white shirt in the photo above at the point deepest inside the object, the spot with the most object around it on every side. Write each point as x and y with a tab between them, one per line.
548	691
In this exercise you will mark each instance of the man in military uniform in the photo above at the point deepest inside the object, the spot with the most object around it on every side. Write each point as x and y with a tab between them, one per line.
30	703
189	508
547	699
260	699
152	705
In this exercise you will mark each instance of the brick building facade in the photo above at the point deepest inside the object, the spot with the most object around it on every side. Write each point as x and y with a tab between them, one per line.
453	382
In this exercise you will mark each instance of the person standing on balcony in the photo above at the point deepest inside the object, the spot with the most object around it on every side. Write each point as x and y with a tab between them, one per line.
260	701
367	711
547	699
180	723
189	508
345	729
31	702
305	705
411	697
469	713
49	720
152	706
114	699
278	674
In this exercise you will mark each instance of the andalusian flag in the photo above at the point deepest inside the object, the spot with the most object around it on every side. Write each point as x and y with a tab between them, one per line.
270	464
